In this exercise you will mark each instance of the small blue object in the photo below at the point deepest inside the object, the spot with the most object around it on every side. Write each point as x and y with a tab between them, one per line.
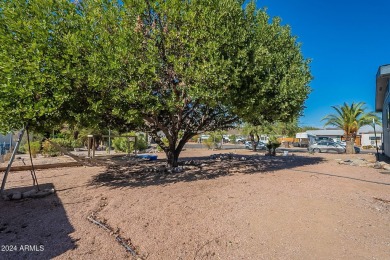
149	157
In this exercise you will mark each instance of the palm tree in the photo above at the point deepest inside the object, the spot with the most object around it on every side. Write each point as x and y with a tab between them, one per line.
350	119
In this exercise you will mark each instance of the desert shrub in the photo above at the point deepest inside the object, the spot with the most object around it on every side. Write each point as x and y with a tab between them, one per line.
35	148
122	144
77	143
63	142
195	138
272	144
49	150
142	143
213	141
233	139
33	138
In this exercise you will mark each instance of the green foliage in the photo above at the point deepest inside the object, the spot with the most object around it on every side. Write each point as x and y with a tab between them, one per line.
272	144
180	67
214	141
35	148
122	144
233	139
49	150
306	128
77	143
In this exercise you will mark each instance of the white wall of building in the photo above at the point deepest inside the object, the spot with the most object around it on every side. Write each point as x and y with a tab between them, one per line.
368	139
386	123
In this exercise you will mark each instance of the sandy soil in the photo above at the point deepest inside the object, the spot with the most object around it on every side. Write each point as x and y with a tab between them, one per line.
300	206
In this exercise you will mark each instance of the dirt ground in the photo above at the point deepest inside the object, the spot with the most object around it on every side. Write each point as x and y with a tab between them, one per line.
244	206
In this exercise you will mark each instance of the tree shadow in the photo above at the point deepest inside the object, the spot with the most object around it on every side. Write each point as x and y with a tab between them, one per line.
155	173
264	164
34	228
151	173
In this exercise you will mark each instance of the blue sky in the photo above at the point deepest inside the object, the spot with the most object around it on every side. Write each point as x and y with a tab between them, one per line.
346	40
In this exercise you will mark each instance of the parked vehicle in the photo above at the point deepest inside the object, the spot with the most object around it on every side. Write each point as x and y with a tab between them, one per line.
344	144
303	143
226	138
323	138
326	146
260	146
240	139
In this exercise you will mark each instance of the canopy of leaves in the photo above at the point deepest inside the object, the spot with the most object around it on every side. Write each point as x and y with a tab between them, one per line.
176	66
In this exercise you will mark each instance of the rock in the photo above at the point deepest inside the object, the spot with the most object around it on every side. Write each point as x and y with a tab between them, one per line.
6	197
28	194
16	195
386	167
371	165
178	169
377	165
242	159
42	193
359	162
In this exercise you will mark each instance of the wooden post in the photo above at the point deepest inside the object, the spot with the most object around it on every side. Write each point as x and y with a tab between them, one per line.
89	145
93	146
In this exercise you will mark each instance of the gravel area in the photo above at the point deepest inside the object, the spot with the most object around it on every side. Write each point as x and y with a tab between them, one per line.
234	206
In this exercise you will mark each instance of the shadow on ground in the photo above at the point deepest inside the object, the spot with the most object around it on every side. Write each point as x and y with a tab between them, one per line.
34	228
145	174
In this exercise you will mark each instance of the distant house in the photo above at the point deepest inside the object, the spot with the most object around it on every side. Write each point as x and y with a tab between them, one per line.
335	134
367	134
382	103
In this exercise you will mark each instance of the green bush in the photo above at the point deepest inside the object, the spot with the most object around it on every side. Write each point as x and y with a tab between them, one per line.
49	150
77	143
272	144
35	148
122	144
213	142
233	139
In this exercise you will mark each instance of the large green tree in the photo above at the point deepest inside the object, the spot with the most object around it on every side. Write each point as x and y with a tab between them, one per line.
177	67
350	118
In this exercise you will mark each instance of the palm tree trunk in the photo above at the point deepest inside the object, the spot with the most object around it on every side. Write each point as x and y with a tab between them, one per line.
350	145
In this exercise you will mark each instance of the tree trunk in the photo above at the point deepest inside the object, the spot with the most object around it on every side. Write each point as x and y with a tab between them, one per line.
172	157
350	146
172	151
254	145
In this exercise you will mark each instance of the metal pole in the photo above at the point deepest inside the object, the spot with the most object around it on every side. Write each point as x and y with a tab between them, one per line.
11	160
376	141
